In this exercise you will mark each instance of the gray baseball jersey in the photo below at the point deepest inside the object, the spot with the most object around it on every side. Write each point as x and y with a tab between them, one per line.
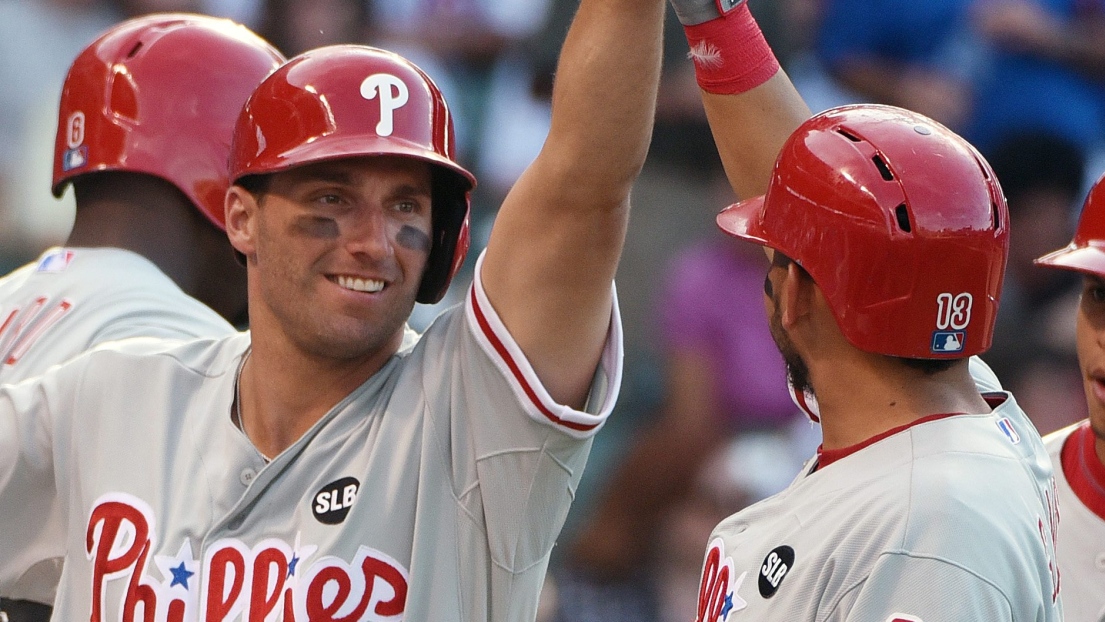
69	300
1080	478
950	518
435	491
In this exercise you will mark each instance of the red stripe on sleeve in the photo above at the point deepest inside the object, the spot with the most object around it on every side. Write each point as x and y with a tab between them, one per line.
510	362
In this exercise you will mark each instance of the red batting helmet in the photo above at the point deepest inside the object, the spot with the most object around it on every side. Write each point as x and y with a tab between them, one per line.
900	222
1086	252
159	95
350	100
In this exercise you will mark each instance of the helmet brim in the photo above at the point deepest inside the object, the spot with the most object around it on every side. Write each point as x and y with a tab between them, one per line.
1086	259
338	148
743	220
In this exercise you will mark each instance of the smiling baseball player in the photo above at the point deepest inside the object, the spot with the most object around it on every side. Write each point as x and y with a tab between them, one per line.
1078	451
314	469
146	115
929	499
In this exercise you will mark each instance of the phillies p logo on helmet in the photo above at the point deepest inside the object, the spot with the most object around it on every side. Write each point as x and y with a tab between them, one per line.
381	85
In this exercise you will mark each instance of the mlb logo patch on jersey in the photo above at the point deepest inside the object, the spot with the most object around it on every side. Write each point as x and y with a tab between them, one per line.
1006	427
56	261
948	341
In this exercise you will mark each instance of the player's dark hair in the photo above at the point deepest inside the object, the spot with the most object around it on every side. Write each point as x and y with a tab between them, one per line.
257	185
779	260
930	367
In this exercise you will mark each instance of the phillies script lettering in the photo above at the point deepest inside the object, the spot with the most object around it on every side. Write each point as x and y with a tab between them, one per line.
266	582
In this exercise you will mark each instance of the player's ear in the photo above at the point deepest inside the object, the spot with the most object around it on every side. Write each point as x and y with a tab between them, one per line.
797	295
241	209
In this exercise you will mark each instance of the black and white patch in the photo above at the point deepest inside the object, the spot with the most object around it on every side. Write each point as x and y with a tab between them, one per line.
331	504
775	567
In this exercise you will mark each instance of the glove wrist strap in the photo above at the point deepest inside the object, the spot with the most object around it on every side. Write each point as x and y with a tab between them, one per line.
730	53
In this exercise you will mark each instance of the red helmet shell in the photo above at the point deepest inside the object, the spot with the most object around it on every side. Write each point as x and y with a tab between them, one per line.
900	222
350	101
159	95
1086	252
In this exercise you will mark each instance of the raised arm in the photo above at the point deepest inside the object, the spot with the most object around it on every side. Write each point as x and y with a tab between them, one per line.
750	103
557	239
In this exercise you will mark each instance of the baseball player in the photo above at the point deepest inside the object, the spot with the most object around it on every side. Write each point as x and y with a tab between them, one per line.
313	469
146	116
1078	451
931	497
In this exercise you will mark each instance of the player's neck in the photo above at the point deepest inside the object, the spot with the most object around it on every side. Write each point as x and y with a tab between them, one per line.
285	390
861	400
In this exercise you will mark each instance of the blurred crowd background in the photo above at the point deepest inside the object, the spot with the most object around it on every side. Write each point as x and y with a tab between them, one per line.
704	425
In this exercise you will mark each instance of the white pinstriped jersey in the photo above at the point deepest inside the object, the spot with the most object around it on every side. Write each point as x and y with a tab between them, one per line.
947	519
69	300
434	491
1081	546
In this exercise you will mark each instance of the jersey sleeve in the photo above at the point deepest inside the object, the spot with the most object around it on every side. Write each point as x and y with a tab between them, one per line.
515	455
500	347
908	588
30	509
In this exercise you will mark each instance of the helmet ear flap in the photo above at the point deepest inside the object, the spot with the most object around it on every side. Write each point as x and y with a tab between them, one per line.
450	235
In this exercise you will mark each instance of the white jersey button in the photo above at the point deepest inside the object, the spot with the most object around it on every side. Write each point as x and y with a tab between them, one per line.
1100	562
247	476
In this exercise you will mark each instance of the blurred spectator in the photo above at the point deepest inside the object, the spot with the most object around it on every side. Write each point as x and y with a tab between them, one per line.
916	55
723	376
38	39
134	8
1033	354
1045	71
460	43
295	26
748	468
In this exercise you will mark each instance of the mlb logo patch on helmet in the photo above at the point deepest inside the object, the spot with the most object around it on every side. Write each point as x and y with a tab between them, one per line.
948	342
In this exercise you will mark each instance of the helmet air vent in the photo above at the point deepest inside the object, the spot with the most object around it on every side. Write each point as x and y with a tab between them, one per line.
884	170
902	215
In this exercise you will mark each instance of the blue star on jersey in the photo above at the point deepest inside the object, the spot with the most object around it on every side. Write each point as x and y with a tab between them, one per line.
180	575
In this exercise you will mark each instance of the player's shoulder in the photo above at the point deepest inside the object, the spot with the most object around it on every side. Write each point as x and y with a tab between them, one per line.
204	356
103	272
